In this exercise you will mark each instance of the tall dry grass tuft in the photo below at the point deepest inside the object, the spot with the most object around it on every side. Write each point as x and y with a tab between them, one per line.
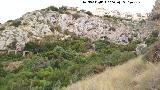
136	74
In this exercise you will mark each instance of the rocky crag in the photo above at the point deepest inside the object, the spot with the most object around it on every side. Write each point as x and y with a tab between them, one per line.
59	22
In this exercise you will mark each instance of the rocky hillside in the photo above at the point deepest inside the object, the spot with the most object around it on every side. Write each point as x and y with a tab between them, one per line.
155	14
63	47
61	22
156	9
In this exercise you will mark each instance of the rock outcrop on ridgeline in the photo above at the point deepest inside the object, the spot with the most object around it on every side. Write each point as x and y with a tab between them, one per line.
53	21
155	14
156	10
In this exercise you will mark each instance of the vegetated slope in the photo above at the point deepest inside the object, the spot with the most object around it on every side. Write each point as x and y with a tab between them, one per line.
136	74
59	57
53	65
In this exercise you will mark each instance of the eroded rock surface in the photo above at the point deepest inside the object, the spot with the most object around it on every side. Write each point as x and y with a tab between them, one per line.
41	23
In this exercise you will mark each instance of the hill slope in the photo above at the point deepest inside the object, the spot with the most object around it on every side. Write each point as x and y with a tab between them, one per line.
58	22
133	75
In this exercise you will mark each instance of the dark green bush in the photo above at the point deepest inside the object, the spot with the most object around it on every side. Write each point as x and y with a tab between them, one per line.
16	23
33	47
152	38
10	57
62	9
58	28
89	13
2	28
101	44
129	47
53	8
155	33
76	16
3	73
60	63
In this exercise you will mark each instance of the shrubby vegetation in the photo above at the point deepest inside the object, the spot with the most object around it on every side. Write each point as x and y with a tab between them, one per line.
152	38
16	23
53	8
2	28
61	10
10	57
53	65
89	13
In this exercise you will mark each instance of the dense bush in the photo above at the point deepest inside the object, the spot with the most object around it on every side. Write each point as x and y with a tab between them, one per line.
3	73
76	16
53	8
155	33
89	13
10	57
16	23
107	47
2	28
58	28
152	38
101	44
62	9
31	46
59	63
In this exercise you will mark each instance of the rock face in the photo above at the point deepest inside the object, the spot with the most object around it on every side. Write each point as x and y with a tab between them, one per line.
153	54
155	14
156	8
41	23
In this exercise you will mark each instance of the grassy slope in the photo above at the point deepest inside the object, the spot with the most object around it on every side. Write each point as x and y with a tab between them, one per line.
133	75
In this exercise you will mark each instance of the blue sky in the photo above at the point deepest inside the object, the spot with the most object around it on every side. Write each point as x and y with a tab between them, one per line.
12	9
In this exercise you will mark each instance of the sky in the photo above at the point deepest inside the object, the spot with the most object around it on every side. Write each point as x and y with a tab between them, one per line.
12	9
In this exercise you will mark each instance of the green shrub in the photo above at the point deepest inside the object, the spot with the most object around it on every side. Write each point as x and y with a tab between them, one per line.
58	28
101	44
10	21
2	28
10	57
62	9
118	57
76	16
53	8
45	73
3	73
59	53
89	13
33	47
152	38
155	33
60	63
16	23
129	47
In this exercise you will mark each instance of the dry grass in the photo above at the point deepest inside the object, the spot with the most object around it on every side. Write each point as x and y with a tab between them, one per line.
133	75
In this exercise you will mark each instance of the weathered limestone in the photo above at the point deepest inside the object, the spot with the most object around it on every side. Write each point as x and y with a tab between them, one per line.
41	23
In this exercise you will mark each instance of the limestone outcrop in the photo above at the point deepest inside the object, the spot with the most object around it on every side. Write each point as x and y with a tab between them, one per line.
41	23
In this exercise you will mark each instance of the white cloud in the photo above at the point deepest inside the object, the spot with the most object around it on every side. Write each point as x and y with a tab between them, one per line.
12	9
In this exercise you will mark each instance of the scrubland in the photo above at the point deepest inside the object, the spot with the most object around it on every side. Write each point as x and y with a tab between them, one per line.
136	74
